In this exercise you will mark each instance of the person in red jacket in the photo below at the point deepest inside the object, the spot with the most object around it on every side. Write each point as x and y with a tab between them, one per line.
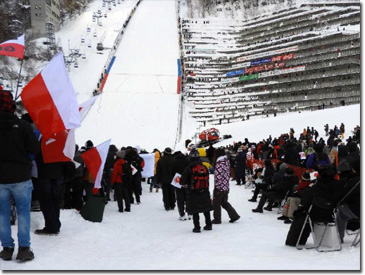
121	179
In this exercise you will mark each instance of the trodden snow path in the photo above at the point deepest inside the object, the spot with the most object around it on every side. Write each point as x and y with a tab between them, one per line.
150	238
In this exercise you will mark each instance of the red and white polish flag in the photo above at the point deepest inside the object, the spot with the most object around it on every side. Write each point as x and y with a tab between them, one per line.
85	106
59	147
51	100
14	48
94	159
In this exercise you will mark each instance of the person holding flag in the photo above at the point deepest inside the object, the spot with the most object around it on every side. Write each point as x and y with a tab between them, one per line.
17	142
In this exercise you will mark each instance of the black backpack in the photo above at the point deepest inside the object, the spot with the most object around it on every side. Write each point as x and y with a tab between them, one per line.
137	163
200	177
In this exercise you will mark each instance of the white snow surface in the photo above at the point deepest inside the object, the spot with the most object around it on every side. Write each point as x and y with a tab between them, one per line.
139	106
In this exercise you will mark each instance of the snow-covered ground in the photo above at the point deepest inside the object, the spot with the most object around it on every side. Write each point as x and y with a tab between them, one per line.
139	105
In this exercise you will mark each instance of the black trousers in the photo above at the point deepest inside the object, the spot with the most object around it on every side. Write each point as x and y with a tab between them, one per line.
181	200
49	195
121	192
136	187
73	194
295	229
220	199
267	196
258	188
196	222
168	196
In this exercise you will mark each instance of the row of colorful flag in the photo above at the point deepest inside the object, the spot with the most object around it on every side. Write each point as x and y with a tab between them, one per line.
51	102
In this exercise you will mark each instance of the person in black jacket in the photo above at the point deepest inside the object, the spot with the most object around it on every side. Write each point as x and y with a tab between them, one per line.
50	179
178	166
133	158
267	174
278	191
349	204
164	176
240	163
197	201
291	155
17	141
325	189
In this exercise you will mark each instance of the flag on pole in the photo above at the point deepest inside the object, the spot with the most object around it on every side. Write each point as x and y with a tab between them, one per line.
94	159
51	100
85	106
60	147
14	48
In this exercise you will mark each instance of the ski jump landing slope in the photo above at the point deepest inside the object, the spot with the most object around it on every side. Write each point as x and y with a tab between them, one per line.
139	103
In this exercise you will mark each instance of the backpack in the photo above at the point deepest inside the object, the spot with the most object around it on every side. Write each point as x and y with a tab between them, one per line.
200	177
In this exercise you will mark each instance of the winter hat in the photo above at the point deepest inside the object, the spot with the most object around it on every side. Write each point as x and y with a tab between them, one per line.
283	167
167	151
89	144
310	151
7	104
306	176
343	166
120	154
194	154
318	148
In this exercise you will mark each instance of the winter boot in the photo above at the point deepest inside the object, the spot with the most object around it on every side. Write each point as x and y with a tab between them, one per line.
268	208
252	200
235	219
25	254
196	229
282	218
150	189
208	227
7	253
257	210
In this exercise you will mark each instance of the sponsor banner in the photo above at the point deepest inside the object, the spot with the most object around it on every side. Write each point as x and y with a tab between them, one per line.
280	65
288	56
274	52
244	64
259	68
276	58
248	77
234	73
229	80
269	66
293	69
210	51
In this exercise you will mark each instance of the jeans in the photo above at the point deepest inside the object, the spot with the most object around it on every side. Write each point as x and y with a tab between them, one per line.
21	193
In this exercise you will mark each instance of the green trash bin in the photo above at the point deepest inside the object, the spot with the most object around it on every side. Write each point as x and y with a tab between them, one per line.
93	209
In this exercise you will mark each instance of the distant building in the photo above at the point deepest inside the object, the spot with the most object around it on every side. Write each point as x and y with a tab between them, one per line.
42	12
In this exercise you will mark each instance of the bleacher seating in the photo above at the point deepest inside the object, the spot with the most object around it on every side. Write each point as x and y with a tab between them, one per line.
301	58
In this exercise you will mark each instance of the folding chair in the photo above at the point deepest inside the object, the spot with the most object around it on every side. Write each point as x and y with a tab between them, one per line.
324	231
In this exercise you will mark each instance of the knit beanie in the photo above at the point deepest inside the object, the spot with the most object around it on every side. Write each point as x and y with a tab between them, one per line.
7	104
